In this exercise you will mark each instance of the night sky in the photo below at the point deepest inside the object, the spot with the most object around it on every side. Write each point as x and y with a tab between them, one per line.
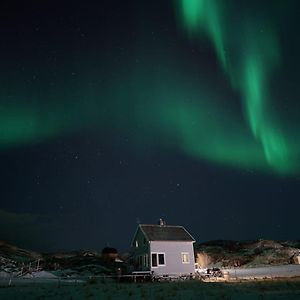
114	113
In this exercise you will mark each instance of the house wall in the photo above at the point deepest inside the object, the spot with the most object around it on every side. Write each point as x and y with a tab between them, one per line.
173	257
141	252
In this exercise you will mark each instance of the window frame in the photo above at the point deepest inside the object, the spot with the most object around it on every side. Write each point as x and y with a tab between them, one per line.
157	259
187	255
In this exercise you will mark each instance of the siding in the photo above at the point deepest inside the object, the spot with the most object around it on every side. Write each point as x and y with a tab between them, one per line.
141	252
173	259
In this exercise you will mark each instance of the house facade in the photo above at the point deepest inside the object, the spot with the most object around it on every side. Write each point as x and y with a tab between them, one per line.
163	250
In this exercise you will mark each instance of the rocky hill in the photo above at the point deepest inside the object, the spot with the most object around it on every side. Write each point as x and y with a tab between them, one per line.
12	252
18	262
246	253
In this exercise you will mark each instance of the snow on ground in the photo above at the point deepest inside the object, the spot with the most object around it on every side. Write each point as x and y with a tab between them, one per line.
40	274
46	285
268	272
109	290
4	274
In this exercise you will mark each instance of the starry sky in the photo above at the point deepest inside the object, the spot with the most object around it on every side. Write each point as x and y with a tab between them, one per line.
122	112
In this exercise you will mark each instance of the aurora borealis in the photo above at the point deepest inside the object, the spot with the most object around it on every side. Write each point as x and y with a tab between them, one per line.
249	71
248	55
105	107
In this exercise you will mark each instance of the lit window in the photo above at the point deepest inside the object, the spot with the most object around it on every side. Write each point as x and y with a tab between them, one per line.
136	243
185	258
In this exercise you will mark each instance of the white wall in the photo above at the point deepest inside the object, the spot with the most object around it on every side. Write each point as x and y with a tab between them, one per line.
173	258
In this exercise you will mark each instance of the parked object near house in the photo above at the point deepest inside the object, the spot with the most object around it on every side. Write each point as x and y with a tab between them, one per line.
163	250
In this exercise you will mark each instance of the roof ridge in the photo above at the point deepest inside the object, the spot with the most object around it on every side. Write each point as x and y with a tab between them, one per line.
157	225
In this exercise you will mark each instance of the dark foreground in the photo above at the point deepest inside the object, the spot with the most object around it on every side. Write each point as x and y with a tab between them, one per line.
108	290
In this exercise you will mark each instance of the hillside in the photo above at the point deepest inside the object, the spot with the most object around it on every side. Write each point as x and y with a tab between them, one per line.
11	252
226	253
221	253
17	261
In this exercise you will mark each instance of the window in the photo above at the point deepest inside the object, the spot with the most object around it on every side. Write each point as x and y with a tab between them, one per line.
136	243
161	259
154	260
146	260
185	257
158	259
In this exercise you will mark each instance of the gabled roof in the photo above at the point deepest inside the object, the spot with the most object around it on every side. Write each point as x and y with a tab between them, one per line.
165	233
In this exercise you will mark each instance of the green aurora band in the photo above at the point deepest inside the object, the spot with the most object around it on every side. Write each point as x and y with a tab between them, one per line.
249	71
166	106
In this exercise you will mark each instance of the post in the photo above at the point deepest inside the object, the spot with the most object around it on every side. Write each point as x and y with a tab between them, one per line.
119	274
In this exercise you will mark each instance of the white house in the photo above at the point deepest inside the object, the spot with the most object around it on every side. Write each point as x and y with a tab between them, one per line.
163	250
